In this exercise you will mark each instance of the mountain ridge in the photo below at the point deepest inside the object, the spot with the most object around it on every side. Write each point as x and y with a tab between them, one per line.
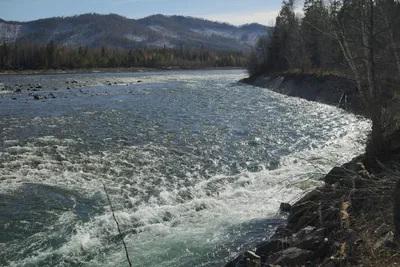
96	30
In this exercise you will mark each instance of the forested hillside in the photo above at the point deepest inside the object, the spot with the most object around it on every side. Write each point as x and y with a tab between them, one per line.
96	31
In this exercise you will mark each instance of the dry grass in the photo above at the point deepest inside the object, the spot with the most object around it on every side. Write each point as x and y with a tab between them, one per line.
373	222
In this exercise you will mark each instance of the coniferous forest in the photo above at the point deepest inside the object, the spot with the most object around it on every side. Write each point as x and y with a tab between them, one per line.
26	56
329	34
358	40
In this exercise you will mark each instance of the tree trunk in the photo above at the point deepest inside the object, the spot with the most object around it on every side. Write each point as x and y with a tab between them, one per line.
396	212
392	39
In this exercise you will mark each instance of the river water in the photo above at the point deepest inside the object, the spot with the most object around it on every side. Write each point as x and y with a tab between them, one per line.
195	165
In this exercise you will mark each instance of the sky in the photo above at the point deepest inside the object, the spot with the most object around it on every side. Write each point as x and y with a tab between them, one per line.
236	12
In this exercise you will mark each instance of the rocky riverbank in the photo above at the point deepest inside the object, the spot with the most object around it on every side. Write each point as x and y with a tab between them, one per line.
348	221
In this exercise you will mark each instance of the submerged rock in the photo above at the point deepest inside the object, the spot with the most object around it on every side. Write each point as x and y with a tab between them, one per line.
285	207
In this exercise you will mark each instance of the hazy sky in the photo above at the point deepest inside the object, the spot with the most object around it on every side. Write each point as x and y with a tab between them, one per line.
233	11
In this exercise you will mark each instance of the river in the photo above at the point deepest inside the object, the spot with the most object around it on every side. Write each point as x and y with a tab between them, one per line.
195	164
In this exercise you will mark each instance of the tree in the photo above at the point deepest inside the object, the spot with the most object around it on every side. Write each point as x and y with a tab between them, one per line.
362	43
51	54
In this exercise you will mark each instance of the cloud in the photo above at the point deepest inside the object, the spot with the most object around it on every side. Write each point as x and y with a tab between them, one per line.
265	18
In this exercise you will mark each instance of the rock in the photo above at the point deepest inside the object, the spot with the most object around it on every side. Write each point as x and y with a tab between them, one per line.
139	81
336	175
17	90
251	255
39	87
36	97
282	232
247	259
305	231
14	98
254	142
301	208
68	88
311	241
314	195
303	214
331	214
74	81
285	207
293	257
270	247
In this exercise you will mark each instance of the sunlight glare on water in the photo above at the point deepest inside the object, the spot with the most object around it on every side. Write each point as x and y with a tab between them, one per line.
195	163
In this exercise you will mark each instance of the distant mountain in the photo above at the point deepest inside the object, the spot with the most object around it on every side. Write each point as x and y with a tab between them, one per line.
113	30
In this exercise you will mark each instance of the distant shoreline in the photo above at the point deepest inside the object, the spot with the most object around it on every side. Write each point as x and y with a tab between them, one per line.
111	70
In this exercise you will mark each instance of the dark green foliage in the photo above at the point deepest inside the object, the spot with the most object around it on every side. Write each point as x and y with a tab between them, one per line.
283	45
30	56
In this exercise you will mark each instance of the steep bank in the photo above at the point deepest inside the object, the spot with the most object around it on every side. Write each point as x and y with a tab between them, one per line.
348	221
330	89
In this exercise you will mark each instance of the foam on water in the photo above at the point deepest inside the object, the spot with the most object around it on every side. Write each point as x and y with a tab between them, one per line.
176	206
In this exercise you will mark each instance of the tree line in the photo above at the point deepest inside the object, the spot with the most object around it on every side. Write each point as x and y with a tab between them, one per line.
356	39
27	56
